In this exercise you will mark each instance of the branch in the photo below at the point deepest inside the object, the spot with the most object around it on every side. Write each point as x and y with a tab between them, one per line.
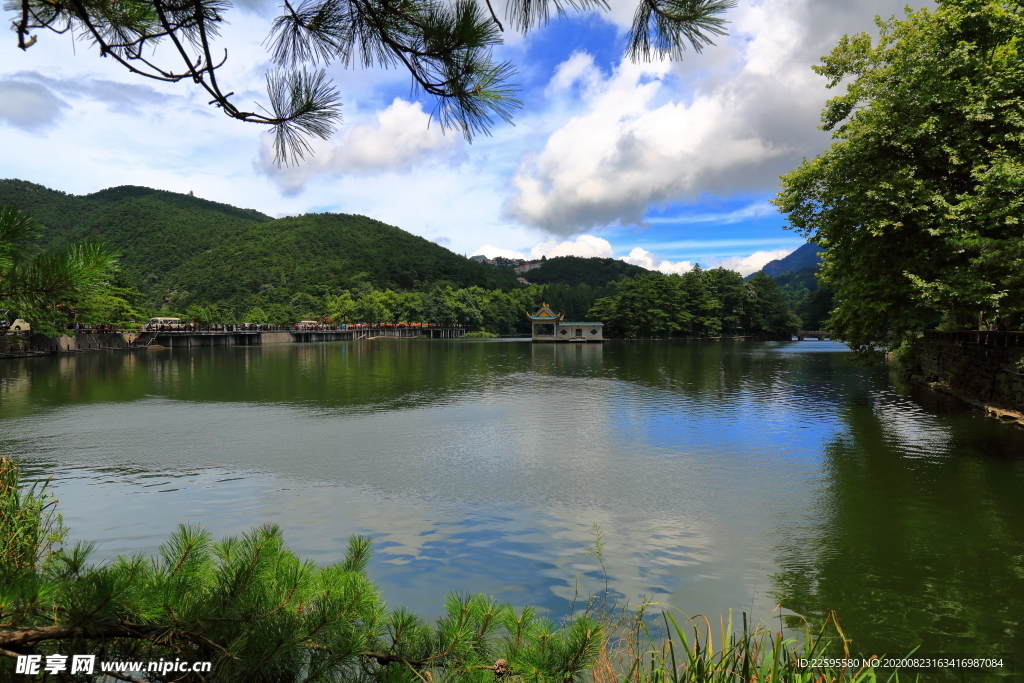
29	636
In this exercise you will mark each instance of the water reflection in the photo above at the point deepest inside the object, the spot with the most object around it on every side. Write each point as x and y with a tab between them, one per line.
725	475
918	538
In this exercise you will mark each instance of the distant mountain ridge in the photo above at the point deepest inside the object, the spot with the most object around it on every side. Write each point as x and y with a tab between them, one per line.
575	270
182	250
805	256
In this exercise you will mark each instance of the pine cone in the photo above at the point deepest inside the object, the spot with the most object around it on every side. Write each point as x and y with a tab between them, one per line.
501	669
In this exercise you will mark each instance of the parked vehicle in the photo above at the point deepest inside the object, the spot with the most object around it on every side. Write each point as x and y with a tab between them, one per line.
161	323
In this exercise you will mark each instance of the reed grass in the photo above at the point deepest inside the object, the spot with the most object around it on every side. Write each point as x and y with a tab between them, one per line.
643	648
29	526
637	650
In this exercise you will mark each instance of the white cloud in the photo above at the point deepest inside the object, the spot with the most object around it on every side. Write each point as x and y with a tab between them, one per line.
645	259
29	106
400	139
585	245
731	119
627	151
491	251
754	86
746	265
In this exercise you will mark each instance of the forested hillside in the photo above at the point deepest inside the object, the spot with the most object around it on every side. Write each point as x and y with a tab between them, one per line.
184	251
804	295
698	303
215	263
805	256
577	270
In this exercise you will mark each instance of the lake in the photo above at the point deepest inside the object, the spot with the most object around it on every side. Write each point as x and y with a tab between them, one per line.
734	475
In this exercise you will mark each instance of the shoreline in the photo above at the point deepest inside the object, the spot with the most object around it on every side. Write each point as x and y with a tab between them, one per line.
993	410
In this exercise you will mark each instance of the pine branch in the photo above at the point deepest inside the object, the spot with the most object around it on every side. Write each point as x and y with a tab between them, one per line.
662	28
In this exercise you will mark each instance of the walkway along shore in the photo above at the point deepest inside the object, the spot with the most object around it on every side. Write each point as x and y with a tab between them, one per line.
983	369
20	345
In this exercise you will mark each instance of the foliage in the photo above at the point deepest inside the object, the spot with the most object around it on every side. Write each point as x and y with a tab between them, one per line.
698	303
214	263
575	270
115	301
575	301
805	297
29	526
446	47
641	653
42	287
184	251
919	199
257	612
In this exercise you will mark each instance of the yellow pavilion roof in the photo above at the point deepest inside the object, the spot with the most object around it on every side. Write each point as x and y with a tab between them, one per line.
545	314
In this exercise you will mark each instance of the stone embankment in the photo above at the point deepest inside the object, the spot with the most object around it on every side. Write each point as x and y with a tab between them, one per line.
985	369
25	344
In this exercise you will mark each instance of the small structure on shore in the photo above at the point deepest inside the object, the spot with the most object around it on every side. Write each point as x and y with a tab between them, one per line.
549	326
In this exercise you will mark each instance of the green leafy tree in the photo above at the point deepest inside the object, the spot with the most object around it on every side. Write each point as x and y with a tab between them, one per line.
919	199
446	47
254	610
468	303
699	303
373	308
440	307
211	314
728	291
766	312
649	305
115	301
257	315
341	308
43	287
704	307
306	306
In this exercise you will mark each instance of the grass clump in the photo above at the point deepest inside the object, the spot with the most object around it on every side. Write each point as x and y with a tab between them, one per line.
639	649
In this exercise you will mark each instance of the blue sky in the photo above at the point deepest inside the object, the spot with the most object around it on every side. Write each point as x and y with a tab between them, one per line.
664	164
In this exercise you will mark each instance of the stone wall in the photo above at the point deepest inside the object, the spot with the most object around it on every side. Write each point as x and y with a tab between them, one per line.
37	343
981	372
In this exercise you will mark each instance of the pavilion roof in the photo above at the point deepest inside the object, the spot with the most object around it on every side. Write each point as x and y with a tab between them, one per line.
545	314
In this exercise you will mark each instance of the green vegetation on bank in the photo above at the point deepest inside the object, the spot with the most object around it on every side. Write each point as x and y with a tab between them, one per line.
805	296
918	200
698	303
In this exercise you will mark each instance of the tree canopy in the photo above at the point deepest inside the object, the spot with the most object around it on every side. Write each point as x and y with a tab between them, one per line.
44	286
919	199
699	303
447	47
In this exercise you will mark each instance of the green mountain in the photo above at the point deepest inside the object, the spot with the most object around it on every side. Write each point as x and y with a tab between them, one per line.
576	270
806	256
181	250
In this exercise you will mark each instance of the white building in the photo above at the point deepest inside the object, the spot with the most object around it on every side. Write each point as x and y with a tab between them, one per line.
549	326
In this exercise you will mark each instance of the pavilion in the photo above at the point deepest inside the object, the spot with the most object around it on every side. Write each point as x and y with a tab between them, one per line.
549	326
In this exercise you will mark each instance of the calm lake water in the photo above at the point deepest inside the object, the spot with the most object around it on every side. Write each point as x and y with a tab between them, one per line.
724	476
